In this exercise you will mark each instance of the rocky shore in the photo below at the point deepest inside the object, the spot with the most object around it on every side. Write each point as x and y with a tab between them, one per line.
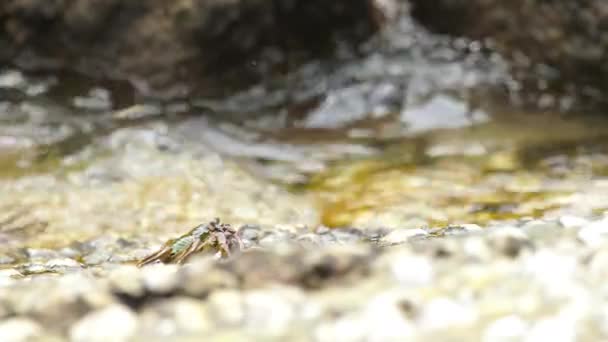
529	280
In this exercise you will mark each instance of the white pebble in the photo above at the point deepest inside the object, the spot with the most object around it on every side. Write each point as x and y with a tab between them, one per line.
269	313
160	278
593	233
113	323
506	329
385	321
569	221
444	313
19	329
412	271
402	235
552	329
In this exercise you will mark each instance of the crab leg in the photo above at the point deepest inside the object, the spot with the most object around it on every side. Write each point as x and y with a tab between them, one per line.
183	255
223	245
159	255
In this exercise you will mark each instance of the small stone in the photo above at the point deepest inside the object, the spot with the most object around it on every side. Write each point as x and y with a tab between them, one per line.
97	99
509	240
594	233
273	239
63	263
347	328
309	240
399	236
97	257
270	312
471	228
12	79
35	269
160	278
127	280
411	270
42	254
568	221
190	315
19	329
476	248
555	272
5	259
345	236
176	316
8	276
385	321
444	313
249	233
552	329
507	329
227	307
113	323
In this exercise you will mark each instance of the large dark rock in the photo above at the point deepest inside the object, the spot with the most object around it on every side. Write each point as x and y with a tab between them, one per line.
557	47
181	46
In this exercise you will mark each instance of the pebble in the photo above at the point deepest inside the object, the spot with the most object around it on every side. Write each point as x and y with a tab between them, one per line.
506	329
509	240
179	315
594	233
552	329
269	312
399	236
226	307
160	278
442	313
411	270
19	329
8	276
127	280
113	323
385	321
5	259
63	263
569	221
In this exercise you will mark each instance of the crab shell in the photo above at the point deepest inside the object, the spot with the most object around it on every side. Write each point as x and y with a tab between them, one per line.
214	235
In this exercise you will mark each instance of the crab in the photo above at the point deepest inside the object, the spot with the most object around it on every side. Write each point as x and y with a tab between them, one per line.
213	235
